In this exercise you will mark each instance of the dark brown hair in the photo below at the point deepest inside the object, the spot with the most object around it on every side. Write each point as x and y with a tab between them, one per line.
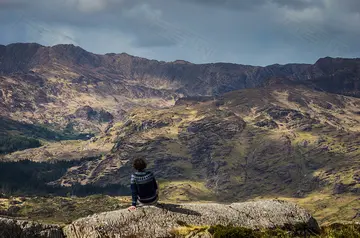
139	164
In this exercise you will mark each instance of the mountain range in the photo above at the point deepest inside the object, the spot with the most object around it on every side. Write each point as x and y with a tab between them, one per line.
40	82
218	131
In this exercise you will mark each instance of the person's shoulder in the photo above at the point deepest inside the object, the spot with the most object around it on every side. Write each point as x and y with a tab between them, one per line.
149	172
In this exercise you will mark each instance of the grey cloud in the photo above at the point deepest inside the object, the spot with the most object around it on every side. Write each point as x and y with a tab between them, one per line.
246	5
15	4
132	17
345	5
229	4
299	4
242	31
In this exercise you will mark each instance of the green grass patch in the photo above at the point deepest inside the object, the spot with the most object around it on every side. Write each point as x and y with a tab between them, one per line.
301	230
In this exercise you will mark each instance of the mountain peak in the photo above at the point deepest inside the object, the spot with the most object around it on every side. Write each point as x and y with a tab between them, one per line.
181	62
22	44
69	48
327	59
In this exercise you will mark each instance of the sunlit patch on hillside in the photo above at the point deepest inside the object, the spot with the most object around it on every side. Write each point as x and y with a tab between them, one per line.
184	191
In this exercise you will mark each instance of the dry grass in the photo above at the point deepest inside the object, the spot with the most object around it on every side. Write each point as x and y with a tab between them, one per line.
62	210
184	191
328	208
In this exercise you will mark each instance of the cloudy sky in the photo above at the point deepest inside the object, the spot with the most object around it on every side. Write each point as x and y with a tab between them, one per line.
256	32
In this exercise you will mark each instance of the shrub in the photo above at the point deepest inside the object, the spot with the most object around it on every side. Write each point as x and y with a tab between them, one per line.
10	144
233	232
338	230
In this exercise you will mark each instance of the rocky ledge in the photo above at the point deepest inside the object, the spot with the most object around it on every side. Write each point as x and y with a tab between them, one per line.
165	219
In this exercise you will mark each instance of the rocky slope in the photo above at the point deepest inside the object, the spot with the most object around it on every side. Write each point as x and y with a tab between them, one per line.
66	87
280	140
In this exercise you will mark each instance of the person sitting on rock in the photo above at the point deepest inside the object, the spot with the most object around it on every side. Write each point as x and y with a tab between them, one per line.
143	185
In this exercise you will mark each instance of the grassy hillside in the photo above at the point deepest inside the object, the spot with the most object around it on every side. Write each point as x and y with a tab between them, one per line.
280	141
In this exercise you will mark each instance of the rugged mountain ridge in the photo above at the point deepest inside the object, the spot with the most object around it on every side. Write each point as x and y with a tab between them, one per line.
188	77
47	85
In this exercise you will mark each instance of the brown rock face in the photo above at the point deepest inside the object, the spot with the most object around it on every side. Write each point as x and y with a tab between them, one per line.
88	113
161	221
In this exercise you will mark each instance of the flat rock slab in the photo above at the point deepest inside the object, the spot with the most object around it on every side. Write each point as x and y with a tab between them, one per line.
10	228
160	221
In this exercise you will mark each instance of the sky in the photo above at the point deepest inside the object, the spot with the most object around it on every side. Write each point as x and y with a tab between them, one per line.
253	32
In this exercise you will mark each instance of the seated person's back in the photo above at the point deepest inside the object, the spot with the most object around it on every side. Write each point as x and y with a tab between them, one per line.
143	185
